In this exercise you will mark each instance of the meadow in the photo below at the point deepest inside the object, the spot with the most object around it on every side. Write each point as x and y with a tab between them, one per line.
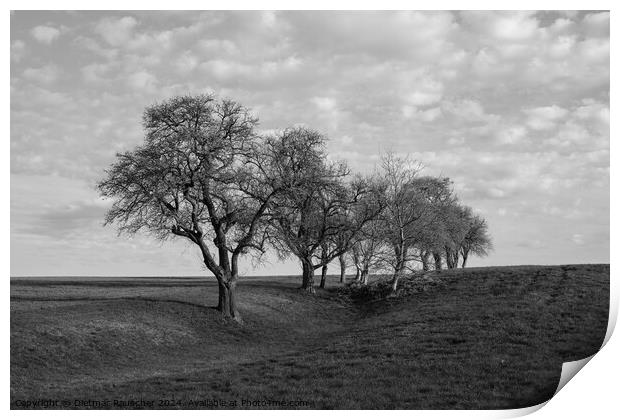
476	338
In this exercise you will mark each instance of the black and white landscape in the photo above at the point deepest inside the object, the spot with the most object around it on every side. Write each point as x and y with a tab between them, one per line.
306	210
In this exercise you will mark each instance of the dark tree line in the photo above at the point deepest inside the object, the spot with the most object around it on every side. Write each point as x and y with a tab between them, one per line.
204	174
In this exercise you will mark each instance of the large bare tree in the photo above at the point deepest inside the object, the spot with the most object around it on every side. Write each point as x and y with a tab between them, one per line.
201	174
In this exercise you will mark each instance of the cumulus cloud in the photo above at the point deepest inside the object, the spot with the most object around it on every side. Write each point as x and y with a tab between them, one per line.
46	74
325	104
468	110
544	118
45	34
116	32
142	80
18	49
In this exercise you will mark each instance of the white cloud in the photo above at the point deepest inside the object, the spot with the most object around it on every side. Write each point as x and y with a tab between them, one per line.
45	34
93	46
467	109
142	80
18	49
426	115
324	104
47	74
94	72
596	24
544	118
514	27
512	135
116	32
186	62
562	46
502	26
594	50
218	46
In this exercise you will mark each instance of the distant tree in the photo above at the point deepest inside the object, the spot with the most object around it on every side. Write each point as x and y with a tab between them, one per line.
412	203
477	240
361	214
343	242
456	221
432	235
315	222
201	174
368	250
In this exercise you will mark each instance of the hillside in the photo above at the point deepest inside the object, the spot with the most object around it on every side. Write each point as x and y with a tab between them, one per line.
476	338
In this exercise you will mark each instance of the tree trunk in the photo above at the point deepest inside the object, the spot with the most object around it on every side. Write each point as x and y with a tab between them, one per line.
395	278
424	257
438	263
357	274
464	260
343	268
400	266
364	278
228	298
307	282
221	295
449	258
323	276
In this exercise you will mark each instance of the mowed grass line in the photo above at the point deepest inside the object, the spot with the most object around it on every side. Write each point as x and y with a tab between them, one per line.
477	338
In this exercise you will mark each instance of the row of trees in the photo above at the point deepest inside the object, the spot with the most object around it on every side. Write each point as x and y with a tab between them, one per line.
418	223
204	174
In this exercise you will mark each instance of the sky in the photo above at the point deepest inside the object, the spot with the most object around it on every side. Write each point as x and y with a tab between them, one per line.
512	106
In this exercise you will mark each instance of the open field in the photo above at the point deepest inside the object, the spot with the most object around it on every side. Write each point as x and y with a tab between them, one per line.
476	338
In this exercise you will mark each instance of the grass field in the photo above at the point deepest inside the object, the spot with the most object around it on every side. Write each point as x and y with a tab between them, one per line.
477	338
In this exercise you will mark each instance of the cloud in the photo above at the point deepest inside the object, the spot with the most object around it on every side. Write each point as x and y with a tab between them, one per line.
596	24
502	26
142	80
66	220
468	110
186	62
426	92
426	115
325	104
94	72
94	47
45	34
18	49
116	32
512	135
544	118
45	75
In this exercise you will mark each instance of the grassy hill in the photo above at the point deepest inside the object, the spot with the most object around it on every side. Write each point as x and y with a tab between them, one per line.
476	338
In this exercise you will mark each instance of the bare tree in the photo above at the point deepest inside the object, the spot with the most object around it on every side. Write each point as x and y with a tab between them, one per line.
456	223
433	233
477	240
361	214
369	249
316	221
410	209
202	174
